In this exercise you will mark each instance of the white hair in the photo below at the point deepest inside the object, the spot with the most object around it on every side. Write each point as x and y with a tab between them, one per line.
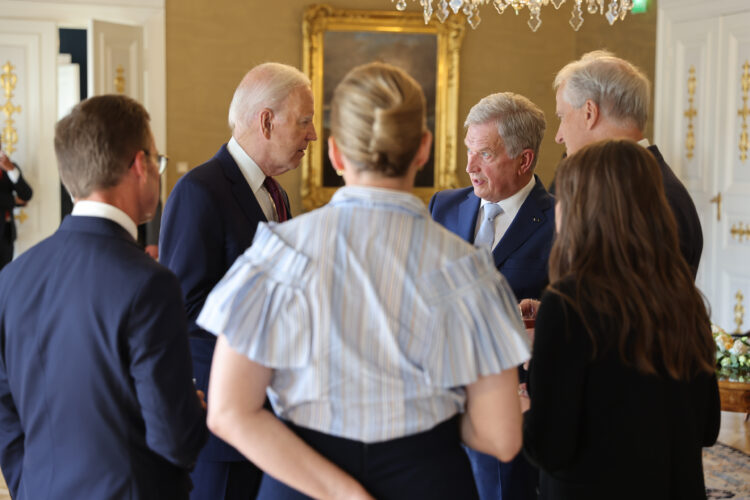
265	86
520	122
620	89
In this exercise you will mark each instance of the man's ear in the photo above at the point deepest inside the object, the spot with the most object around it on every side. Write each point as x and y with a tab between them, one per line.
591	113
527	160
140	164
266	122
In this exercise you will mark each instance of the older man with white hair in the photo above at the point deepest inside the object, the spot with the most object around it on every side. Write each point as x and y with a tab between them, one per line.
508	211
601	96
211	217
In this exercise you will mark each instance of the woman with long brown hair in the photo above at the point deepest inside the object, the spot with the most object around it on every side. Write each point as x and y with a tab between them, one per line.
622	383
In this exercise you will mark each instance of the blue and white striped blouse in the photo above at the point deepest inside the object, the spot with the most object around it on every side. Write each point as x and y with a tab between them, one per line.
372	315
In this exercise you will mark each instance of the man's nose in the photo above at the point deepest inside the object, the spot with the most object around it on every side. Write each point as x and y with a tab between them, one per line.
311	135
471	164
559	137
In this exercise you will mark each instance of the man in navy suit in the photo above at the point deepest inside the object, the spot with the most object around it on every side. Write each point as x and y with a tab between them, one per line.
96	396
507	210
14	191
210	219
601	96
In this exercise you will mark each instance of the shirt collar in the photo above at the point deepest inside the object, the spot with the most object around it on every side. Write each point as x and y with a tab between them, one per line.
644	142
379	197
512	204
250	170
106	211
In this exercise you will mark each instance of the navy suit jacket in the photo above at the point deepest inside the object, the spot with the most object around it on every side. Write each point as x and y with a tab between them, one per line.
96	396
522	253
209	220
688	224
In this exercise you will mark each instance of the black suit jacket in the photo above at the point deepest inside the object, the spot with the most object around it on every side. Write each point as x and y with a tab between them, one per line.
8	193
209	220
688	224
96	396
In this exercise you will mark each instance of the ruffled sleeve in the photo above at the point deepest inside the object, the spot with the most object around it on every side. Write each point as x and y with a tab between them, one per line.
261	304
474	322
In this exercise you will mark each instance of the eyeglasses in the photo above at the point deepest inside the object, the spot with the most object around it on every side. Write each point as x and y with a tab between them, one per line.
161	160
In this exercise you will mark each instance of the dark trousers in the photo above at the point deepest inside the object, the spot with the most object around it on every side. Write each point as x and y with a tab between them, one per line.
224	481
6	252
496	480
221	472
430	464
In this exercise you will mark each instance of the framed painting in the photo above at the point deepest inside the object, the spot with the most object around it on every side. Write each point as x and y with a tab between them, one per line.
337	40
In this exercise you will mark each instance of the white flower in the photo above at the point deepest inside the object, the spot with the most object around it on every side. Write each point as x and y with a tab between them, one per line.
739	348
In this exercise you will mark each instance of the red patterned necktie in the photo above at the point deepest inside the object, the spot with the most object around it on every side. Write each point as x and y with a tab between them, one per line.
278	200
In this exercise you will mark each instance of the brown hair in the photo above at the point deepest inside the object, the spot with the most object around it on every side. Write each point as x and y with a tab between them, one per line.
98	140
378	118
618	243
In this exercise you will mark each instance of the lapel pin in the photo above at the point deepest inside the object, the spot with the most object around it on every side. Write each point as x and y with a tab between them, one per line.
536	219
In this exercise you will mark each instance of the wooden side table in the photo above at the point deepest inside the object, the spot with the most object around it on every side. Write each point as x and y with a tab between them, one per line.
735	396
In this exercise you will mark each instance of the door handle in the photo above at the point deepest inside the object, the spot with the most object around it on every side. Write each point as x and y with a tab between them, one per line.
717	199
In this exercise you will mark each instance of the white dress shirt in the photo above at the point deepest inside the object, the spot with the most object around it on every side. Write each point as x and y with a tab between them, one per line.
254	177
13	175
105	211
510	207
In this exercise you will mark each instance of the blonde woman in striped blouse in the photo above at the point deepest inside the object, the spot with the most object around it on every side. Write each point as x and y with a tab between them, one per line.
382	339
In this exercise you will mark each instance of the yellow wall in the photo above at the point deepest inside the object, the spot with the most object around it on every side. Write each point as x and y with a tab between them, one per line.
211	44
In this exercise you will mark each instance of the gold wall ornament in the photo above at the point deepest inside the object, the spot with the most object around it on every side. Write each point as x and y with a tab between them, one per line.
21	217
739	311
365	36
717	199
8	80
120	79
744	111
740	231
690	113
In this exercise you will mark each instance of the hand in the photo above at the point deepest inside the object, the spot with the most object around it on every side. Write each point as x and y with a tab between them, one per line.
523	395
153	251
19	202
5	162
529	308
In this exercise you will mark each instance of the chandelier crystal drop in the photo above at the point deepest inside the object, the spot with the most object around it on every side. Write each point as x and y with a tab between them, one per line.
612	10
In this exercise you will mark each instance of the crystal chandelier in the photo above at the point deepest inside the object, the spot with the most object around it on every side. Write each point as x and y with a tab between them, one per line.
615	9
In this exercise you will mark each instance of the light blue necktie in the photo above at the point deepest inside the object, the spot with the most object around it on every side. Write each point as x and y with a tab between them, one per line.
486	234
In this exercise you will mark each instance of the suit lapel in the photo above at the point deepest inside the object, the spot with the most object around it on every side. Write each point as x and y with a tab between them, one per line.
528	220
241	191
468	211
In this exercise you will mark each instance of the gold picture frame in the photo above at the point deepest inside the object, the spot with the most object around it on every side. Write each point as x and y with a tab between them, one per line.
400	38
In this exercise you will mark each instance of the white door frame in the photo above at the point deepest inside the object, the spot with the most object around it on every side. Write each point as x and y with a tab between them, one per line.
149	14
